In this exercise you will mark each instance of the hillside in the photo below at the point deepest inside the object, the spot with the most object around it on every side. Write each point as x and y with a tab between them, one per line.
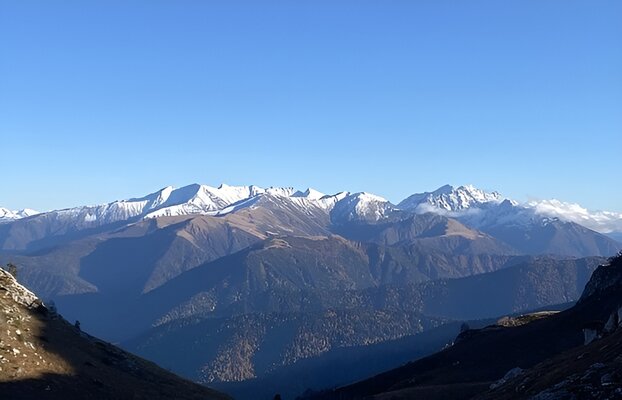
42	356
278	329
550	347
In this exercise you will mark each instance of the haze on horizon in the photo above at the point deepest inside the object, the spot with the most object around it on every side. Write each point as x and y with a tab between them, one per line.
109	100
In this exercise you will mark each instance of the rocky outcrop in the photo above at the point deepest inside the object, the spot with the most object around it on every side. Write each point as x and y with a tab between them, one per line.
605	278
596	329
511	374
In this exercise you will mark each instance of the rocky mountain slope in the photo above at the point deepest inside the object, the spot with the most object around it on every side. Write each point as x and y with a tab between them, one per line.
42	356
572	354
593	371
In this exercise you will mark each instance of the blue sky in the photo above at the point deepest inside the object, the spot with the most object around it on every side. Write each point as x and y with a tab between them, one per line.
114	99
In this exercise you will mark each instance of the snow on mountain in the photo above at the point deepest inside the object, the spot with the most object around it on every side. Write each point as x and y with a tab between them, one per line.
281	192
473	206
448	198
361	207
310	194
7	215
26	212
201	199
310	199
187	200
479	208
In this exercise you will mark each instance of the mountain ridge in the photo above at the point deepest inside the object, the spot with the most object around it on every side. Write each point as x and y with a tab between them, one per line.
208	200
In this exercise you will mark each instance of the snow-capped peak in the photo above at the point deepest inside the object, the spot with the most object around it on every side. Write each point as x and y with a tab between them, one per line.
478	208
187	200
281	192
7	215
448	198
310	194
27	212
202	199
361	206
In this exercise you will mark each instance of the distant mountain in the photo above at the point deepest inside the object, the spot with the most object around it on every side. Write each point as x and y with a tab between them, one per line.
361	207
7	215
143	255
519	226
447	198
600	221
56	227
252	281
529	229
572	354
617	236
470	203
110	257
427	230
46	357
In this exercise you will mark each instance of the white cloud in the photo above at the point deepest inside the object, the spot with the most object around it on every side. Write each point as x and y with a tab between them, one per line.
600	221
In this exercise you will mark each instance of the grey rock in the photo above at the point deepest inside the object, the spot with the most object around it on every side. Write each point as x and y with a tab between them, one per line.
589	335
612	323
607	380
511	374
597	366
554	395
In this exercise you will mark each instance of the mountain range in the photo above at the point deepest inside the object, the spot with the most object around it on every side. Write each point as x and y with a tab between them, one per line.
239	286
488	212
208	200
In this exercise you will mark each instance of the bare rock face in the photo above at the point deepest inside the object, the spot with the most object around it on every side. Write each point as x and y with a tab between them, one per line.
612	322
590	334
604	278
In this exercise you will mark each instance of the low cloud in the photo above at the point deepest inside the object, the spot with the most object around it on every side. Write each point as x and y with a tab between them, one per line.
600	221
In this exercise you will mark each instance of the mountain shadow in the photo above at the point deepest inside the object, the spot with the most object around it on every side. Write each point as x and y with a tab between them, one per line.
490	362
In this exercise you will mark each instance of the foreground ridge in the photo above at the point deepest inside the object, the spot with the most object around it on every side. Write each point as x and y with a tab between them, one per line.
43	356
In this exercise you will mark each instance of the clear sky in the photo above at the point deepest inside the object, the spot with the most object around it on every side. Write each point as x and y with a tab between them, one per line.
101	100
